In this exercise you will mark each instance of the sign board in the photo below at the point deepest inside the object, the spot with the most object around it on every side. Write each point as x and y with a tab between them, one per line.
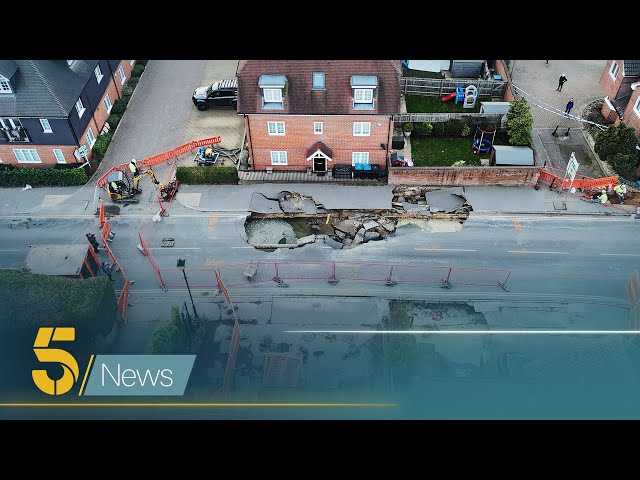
572	166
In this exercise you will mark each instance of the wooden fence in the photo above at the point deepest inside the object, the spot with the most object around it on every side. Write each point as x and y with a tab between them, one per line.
436	86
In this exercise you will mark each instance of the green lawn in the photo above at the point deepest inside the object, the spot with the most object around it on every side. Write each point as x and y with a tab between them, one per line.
442	152
432	104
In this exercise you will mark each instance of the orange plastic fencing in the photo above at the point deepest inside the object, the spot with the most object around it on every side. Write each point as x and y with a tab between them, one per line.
160	157
102	220
556	177
123	299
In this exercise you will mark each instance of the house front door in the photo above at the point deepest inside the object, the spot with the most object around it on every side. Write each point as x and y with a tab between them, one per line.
319	164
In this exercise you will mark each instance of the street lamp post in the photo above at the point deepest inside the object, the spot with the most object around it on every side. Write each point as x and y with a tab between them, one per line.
181	263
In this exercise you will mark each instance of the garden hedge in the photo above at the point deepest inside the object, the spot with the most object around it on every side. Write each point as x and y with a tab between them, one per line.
207	175
50	177
119	106
137	70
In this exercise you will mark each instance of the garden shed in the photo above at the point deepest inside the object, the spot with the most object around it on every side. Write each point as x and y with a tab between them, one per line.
496	108
511	155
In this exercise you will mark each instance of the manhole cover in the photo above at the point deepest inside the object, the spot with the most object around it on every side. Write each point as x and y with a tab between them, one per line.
560	205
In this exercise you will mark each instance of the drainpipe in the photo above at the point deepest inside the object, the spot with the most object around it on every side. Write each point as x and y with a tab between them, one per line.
115	84
75	137
389	135
250	143
93	116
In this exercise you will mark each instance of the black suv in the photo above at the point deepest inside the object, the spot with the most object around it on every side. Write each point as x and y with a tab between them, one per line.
223	93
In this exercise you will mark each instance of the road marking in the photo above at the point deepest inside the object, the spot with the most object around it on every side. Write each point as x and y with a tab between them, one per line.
243	247
212	262
480	332
545	253
11	250
622	254
446	249
174	248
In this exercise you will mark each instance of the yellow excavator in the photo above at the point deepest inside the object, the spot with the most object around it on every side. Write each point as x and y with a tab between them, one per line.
123	188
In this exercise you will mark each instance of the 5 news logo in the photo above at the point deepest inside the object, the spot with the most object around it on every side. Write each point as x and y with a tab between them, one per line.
107	375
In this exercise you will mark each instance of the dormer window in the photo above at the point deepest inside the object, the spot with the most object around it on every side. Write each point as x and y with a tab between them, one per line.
5	86
272	87
72	63
363	88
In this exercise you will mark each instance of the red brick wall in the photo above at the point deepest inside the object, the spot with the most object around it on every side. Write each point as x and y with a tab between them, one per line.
127	67
609	112
337	135
614	89
501	69
464	176
45	152
101	114
631	118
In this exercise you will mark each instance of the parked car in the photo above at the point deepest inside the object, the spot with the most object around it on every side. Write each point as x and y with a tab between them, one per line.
223	93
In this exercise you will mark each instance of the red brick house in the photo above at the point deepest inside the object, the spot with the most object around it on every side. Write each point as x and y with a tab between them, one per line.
620	81
314	114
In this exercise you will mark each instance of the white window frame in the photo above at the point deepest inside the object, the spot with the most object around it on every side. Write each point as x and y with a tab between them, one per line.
71	63
277	157
324	81
5	85
364	92
361	155
271	92
636	107
90	141
59	154
80	108
361	129
98	73
121	75
614	70
107	103
131	62
9	121
27	155
316	130
274	128
46	126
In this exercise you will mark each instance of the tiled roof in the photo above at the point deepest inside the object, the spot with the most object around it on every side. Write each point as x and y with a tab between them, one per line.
8	68
335	98
46	88
620	104
319	146
631	68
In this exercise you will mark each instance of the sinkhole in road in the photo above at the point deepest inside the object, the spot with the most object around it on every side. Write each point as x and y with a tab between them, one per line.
339	230
291	219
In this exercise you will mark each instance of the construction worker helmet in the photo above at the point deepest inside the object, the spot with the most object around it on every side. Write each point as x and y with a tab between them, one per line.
133	160
604	192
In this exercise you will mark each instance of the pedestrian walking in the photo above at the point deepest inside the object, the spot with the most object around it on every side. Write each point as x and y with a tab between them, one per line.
106	268
92	240
561	81
569	107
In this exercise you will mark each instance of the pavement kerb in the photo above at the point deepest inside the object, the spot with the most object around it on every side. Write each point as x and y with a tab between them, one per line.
551	214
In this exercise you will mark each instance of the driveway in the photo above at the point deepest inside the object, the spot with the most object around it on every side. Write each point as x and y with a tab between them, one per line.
538	82
161	115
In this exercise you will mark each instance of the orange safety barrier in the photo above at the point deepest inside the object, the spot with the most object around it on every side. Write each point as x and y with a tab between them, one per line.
102	220
160	157
123	299
555	176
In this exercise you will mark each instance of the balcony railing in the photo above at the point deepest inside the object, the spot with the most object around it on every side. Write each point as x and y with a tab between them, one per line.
16	135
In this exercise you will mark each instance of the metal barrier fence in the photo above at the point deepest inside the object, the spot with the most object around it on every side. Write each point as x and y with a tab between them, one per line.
123	299
277	271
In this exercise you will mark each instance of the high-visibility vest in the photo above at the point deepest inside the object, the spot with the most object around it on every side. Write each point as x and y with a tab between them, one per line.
603	198
114	186
133	167
620	189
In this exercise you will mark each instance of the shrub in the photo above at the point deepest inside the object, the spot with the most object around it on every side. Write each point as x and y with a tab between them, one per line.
466	130
127	91
439	129
142	62
616	139
119	106
453	128
422	129
114	120
624	164
519	122
102	143
407	127
19	177
137	70
207	175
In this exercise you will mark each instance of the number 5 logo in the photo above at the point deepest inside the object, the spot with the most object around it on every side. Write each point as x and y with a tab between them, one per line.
55	355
